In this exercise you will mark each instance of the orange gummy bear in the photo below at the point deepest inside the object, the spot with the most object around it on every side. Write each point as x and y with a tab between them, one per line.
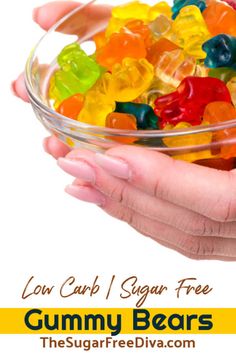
158	48
138	27
219	111
72	106
100	39
220	18
216	112
122	121
120	46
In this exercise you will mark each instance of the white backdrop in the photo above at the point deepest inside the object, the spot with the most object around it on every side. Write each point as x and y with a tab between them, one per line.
50	235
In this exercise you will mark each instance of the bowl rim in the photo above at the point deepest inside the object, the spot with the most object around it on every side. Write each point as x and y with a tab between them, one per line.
36	101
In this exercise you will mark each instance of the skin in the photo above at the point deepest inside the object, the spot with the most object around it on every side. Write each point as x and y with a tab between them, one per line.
186	207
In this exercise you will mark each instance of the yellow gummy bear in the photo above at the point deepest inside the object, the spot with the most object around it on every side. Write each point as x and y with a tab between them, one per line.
191	31
188	141
54	93
232	89
128	80
161	8
115	25
132	10
97	105
70	142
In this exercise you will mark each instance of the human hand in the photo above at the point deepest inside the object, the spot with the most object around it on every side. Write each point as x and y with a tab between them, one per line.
188	208
46	16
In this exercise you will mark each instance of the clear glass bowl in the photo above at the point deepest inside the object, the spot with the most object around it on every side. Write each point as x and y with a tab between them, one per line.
81	25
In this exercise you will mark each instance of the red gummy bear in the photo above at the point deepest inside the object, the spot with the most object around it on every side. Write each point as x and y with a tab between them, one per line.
187	104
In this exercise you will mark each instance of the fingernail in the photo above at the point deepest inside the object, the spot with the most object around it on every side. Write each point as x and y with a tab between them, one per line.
78	168
78	182
35	14
86	194
114	166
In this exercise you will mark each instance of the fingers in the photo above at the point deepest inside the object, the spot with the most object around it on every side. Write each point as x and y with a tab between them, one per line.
54	147
89	20
81	164
209	192
80	23
190	246
47	15
19	89
86	194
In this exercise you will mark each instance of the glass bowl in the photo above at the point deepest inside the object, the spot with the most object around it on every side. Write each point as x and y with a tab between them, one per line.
81	25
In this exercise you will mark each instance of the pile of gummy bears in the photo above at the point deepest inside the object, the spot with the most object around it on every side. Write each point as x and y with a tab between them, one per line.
155	67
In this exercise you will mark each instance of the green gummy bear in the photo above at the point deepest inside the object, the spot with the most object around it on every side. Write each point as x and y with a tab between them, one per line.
77	74
224	74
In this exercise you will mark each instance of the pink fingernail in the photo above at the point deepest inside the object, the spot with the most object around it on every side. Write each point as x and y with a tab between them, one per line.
86	194
78	182
78	168
113	165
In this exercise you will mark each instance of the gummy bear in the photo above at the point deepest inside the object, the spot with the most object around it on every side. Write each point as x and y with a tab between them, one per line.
219	111
231	85
145	116
216	112
189	140
128	80
220	18
162	27
140	11
131	10
158	48
100	40
115	25
161	8
120	46
77	74
61	87
228	150
191	31
117	120
139	28
172	67
72	106
224	74
221	51
179	4
158	88
97	106
122	121
187	104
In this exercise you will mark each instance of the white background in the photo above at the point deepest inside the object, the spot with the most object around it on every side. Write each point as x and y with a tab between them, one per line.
50	235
